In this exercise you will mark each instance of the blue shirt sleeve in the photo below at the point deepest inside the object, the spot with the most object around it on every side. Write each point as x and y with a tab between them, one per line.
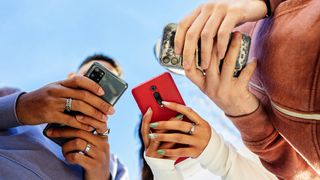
8	116
117	170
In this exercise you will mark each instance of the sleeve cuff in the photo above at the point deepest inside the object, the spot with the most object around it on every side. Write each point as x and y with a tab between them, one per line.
163	168
216	156
8	115
254	127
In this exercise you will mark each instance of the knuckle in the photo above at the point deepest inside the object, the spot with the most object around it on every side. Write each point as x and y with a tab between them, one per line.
182	26
78	143
190	35
222	6
78	133
83	94
205	35
189	110
222	34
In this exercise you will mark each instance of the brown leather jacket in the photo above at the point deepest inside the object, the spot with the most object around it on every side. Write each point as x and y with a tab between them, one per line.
285	130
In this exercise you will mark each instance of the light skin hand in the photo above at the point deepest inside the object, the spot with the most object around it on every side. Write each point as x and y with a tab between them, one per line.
213	22
231	94
47	105
194	144
95	162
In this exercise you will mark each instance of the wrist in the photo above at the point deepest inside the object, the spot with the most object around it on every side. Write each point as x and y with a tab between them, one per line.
243	107
22	110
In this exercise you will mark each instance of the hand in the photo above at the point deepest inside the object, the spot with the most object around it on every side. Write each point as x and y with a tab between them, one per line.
47	105
150	145
231	94
213	22
95	161
194	143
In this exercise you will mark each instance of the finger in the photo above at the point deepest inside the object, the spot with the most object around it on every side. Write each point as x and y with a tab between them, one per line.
179	152
82	82
226	27
229	62
87	97
88	110
192	38
195	76
182	29
174	138
80	159
100	127
187	111
208	35
212	79
76	133
145	127
71	121
181	126
247	73
78	145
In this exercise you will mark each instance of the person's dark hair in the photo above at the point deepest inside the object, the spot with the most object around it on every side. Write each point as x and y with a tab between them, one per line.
146	173
101	57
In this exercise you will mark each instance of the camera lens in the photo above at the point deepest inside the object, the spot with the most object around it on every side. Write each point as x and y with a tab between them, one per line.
166	60
153	88
174	61
96	69
158	98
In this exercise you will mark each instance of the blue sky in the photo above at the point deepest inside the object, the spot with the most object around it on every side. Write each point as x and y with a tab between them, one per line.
42	41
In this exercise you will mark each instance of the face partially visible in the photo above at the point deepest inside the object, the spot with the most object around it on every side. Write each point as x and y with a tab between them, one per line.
107	65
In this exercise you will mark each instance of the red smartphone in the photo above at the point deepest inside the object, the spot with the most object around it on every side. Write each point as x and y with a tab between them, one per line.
151	94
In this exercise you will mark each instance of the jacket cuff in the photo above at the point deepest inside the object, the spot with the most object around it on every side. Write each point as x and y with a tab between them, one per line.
8	115
254	127
163	168
216	155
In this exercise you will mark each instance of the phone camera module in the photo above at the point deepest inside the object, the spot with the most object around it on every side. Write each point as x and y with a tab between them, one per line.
158	98
153	88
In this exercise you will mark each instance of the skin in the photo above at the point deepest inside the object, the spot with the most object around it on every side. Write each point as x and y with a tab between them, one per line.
196	142
47	104
229	93
213	22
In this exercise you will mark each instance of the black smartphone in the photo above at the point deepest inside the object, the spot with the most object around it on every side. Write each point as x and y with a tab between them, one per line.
112	85
173	62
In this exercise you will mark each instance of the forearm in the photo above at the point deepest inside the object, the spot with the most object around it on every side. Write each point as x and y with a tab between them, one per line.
222	159
8	117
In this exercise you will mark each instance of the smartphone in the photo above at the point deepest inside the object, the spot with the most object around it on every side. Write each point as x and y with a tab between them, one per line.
151	94
174	63
112	85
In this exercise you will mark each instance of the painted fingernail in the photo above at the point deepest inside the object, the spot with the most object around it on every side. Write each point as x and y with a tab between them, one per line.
100	91
149	110
161	152
152	136
153	125
180	116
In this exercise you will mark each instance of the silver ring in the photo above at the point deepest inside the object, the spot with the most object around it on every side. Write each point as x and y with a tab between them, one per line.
105	134
68	104
193	127
87	149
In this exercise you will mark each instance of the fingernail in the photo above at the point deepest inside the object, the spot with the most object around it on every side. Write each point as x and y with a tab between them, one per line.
104	117
221	56
165	103
153	125
161	152
100	91
49	132
79	117
180	116
90	128
111	111
149	110
152	136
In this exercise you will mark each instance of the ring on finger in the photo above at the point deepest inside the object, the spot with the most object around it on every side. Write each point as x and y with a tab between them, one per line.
87	149
105	134
192	129
68	104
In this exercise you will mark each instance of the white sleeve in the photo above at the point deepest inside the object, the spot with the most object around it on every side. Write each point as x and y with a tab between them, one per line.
163	168
221	158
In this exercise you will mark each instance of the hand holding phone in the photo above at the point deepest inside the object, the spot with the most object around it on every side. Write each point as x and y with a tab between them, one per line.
152	93
113	88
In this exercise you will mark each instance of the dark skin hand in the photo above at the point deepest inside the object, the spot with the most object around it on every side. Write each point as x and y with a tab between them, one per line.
47	105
